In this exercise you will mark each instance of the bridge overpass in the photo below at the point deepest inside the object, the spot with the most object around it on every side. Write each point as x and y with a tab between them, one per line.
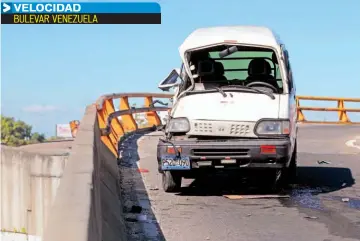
110	187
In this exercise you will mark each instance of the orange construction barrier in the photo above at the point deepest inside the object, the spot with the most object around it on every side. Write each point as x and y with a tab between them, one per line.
342	111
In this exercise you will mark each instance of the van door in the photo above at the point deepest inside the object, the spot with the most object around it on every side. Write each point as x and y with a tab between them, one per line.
292	96
171	81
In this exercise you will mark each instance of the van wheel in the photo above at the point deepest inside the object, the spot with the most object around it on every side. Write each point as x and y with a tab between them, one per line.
289	174
171	181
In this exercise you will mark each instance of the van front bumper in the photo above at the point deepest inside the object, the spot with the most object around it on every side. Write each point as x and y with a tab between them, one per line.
230	154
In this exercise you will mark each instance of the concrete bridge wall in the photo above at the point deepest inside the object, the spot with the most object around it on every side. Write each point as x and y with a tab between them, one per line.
88	206
28	186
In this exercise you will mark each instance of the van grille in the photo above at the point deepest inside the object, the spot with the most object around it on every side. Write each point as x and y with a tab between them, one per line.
203	127
222	128
239	129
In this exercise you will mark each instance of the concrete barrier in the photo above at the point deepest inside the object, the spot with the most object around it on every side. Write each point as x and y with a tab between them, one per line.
7	236
28	186
88	206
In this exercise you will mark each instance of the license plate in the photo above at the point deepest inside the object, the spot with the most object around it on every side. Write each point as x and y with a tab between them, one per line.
228	161
175	163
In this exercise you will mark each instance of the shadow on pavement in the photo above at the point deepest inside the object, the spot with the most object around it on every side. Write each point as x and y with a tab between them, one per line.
324	179
140	220
332	178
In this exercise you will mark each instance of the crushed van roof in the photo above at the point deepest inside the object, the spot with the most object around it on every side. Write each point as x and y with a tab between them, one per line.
243	34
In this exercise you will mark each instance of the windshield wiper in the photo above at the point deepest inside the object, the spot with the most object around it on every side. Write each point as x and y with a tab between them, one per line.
271	95
221	91
211	89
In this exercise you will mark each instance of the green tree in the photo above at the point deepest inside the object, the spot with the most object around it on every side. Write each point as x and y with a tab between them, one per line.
55	138
17	132
37	138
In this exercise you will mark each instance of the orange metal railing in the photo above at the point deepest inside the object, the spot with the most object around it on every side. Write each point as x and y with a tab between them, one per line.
113	129
341	109
74	125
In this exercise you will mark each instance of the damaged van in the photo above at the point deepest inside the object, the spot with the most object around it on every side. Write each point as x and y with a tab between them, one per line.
233	107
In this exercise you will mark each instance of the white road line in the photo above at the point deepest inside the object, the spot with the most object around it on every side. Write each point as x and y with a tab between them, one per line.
138	165
351	143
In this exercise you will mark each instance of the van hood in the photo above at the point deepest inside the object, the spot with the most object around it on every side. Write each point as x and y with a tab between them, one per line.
240	107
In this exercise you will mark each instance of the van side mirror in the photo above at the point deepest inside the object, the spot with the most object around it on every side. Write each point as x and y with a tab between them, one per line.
172	80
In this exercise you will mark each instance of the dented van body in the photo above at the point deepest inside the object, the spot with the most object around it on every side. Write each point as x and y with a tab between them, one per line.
233	106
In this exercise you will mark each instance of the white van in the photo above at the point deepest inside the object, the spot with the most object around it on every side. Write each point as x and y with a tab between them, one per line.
233	107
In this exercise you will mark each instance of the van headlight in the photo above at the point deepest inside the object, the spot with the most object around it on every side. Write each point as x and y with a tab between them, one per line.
178	125
273	127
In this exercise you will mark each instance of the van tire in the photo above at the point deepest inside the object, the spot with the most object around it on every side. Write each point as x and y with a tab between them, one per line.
171	181
289	175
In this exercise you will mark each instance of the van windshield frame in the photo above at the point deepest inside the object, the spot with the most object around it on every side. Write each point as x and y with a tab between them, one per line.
236	65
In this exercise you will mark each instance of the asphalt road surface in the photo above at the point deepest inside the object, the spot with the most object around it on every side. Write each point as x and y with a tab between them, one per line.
324	206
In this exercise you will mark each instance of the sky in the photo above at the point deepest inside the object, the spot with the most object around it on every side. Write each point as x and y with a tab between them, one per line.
50	73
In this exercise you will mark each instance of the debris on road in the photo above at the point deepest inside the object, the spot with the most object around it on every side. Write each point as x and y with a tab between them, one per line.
234	197
323	162
141	170
131	219
311	217
141	217
154	188
136	218
307	190
136	209
345	199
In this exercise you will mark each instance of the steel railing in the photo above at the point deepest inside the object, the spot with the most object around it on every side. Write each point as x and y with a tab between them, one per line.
343	117
112	129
